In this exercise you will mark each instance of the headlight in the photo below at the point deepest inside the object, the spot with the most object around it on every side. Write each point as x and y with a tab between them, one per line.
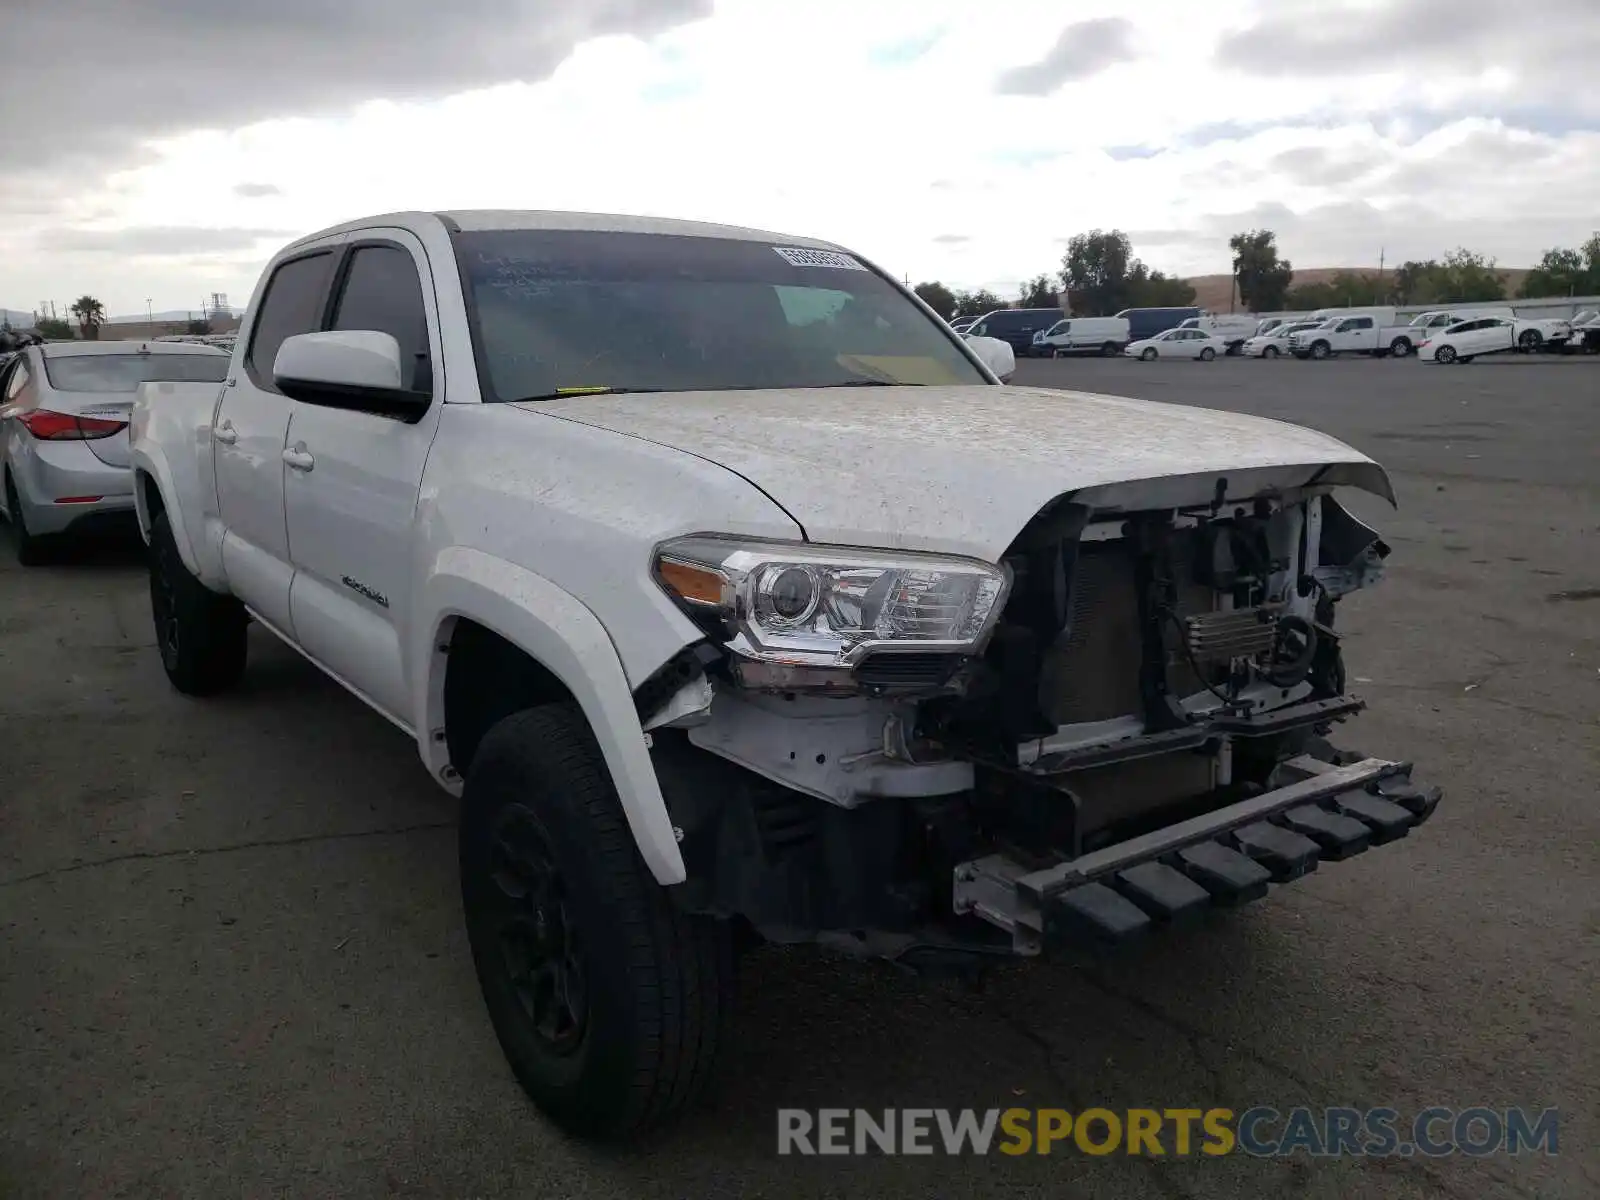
804	616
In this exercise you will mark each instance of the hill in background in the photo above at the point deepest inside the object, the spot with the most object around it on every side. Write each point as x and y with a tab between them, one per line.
1211	292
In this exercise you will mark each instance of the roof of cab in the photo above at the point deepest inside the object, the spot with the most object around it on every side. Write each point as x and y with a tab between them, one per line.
125	346
475	220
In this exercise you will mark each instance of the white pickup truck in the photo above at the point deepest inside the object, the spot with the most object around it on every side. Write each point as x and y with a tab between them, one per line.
1372	331
738	601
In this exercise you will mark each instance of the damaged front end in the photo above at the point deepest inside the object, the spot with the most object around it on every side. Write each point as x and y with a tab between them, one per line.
1137	735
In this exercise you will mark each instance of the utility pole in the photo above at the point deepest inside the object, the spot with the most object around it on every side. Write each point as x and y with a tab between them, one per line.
1378	298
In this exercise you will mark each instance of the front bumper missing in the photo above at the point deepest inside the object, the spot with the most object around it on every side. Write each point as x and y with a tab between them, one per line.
1328	811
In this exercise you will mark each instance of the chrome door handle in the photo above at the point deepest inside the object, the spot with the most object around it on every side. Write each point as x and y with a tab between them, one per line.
299	458
225	433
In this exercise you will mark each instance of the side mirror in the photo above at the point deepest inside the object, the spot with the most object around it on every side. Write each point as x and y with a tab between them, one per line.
347	368
995	354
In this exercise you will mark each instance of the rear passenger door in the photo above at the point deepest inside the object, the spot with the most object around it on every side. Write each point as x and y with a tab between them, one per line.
351	487
249	432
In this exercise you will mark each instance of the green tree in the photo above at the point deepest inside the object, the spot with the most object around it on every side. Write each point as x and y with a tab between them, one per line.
1468	276
1418	282
1560	272
199	327
1152	289
91	315
937	297
1094	271
1263	276
1038	292
977	303
54	327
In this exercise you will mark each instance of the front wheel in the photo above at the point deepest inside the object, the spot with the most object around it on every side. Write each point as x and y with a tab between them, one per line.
1445	354
1320	350
609	1003
1530	341
1207	354
202	635
1148	354
1270	352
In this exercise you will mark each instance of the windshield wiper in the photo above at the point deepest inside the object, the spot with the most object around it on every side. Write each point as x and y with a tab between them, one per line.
575	392
868	383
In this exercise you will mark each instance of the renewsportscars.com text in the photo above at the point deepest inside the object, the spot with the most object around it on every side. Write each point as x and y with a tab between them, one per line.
1260	1131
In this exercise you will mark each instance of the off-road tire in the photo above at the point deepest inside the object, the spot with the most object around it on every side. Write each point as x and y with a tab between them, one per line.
30	549
657	983
202	636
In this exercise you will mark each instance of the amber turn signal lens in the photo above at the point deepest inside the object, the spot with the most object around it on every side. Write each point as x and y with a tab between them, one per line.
697	585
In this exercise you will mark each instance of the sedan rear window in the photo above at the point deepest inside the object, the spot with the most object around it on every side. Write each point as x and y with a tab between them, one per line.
125	372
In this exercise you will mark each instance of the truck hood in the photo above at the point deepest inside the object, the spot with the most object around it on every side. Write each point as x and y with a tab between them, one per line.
962	469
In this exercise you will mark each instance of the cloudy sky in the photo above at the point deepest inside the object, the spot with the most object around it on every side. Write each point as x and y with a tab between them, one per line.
182	141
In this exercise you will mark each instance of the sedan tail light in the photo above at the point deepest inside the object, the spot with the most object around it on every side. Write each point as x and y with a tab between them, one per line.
50	426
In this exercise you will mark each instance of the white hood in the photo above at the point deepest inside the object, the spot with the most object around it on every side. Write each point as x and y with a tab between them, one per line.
962	469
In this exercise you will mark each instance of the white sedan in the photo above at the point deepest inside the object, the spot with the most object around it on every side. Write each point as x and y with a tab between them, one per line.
1177	343
1465	340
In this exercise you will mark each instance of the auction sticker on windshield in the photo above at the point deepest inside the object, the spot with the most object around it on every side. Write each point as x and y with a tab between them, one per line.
798	256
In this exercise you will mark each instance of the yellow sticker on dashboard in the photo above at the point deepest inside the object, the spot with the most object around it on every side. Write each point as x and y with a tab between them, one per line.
899	368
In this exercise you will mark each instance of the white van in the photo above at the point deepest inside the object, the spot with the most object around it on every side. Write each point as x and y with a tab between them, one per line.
1082	335
1229	328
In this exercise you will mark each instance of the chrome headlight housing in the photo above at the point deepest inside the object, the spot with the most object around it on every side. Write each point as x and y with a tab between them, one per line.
803	616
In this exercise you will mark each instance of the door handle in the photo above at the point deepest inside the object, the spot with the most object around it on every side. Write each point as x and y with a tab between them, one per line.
299	458
225	433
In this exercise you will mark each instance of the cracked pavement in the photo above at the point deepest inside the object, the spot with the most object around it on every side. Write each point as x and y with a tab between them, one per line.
231	959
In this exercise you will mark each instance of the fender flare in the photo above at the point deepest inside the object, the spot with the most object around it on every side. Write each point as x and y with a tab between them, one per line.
564	636
149	461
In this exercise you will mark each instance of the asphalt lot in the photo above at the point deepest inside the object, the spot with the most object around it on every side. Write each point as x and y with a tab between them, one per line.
231	960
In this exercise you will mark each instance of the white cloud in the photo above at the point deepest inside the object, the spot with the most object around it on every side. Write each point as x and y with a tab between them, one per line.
885	127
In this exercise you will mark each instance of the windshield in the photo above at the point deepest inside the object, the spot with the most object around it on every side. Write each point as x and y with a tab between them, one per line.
125	372
1058	327
570	311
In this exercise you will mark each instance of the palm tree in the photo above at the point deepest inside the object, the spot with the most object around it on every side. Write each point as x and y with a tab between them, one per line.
91	315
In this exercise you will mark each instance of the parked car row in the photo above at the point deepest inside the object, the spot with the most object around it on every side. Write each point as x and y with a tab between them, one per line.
1443	335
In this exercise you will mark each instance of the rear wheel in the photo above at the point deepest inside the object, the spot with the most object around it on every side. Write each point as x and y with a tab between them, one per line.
1400	347
30	549
201	634
1110	350
1207	354
610	1003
